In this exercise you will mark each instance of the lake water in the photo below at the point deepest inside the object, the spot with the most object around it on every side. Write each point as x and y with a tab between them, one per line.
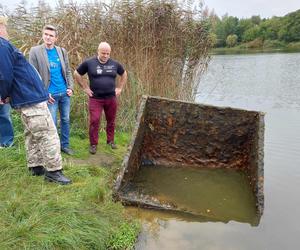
262	82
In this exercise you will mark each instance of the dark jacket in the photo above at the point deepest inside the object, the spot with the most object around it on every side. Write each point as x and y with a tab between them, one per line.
19	80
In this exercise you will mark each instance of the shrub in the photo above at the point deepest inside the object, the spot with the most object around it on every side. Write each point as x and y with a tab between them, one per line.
231	40
294	46
257	43
270	44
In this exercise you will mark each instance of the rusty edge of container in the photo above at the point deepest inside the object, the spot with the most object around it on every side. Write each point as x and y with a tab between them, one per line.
124	165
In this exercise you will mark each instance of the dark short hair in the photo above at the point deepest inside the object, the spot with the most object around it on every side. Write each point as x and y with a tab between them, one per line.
50	27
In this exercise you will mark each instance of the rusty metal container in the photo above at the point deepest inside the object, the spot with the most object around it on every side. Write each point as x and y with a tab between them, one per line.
185	134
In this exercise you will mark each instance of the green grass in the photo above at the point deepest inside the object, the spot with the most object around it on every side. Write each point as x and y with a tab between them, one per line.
35	214
269	47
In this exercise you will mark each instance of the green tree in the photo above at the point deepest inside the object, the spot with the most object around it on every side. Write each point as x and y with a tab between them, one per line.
269	28
230	25
220	33
278	29
290	28
225	27
243	25
255	20
251	34
231	40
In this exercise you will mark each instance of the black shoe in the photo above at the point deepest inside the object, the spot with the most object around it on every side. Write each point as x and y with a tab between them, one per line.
67	151
93	149
37	171
57	176
112	145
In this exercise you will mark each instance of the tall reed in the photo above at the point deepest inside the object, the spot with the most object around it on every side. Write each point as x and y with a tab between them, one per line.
163	46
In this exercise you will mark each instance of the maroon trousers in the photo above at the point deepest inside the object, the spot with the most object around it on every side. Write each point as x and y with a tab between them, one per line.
110	110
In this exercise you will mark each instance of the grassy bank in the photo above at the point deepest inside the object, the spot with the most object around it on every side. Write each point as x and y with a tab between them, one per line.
35	214
258	48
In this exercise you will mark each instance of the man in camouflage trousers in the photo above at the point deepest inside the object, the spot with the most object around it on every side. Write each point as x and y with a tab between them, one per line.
22	86
40	133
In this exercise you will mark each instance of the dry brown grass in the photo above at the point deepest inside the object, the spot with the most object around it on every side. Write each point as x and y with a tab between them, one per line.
162	46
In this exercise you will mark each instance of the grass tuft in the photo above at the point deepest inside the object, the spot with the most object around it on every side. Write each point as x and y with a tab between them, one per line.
35	214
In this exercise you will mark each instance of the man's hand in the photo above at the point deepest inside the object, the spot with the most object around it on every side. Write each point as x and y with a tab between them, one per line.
69	92
118	91
4	101
88	91
121	84
51	100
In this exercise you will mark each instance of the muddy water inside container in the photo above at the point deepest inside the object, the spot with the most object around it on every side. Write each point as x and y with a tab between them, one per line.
219	194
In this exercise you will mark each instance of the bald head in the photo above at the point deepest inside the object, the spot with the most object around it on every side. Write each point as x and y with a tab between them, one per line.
3	23
104	52
104	45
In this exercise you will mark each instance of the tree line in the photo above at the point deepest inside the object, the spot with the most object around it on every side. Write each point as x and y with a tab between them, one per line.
230	31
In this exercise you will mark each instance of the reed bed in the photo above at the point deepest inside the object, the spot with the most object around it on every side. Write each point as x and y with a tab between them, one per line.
163	45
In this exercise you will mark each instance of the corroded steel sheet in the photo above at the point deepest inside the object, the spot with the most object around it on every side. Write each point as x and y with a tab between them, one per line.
184	134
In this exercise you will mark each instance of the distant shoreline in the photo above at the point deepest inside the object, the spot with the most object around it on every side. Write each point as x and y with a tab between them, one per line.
239	50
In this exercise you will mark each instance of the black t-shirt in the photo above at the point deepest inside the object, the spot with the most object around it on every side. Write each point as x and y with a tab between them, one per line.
102	76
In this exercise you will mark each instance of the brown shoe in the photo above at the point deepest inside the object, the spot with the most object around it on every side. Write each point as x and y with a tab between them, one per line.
93	149
112	145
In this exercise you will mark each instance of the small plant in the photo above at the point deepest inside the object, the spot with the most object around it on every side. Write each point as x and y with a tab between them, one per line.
123	237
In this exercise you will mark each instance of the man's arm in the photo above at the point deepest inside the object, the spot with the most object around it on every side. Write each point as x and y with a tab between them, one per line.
83	84
6	72
122	82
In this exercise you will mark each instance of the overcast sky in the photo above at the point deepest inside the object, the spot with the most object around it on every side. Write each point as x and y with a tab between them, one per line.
238	8
264	8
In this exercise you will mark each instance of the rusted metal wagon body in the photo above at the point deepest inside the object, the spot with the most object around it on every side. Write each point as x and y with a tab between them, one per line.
184	134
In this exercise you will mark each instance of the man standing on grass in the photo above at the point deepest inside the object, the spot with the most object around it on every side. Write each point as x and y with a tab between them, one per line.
103	92
20	82
53	65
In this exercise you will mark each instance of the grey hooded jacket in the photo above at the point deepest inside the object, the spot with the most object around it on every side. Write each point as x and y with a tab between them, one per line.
39	59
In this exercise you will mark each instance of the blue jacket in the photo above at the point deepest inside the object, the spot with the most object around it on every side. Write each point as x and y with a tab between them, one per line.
19	80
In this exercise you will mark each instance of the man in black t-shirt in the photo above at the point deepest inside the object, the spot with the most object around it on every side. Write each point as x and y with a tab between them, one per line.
102	91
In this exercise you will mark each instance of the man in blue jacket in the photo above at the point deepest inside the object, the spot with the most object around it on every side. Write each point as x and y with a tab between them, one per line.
6	127
20	82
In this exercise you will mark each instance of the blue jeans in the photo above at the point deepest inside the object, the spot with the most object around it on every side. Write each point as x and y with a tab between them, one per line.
62	104
6	127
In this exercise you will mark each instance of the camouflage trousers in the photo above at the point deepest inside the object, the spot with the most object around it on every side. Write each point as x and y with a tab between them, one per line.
41	139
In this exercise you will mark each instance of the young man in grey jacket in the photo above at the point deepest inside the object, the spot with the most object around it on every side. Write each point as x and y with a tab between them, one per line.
52	63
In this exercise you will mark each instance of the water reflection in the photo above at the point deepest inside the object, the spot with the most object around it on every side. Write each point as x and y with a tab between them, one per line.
165	230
